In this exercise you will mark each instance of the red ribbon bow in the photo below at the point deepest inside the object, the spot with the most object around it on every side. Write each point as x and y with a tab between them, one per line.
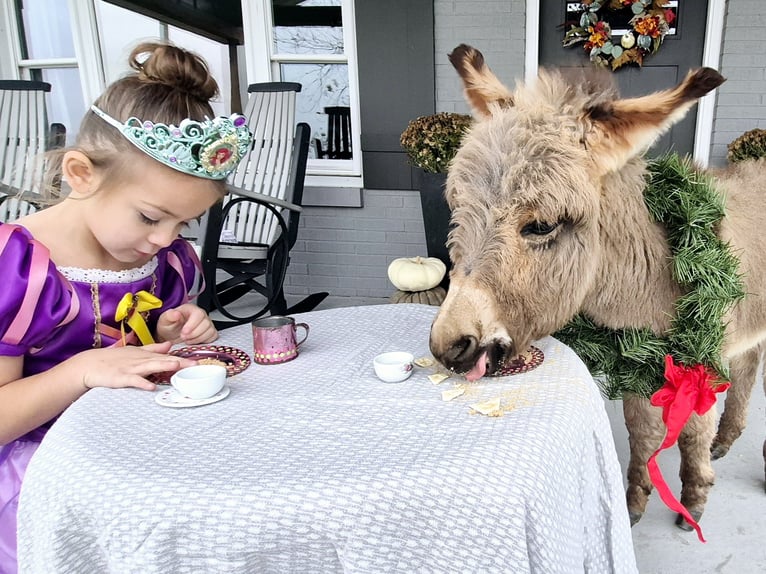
686	390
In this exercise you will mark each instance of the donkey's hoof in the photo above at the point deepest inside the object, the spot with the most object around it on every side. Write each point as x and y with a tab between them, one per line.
681	521
718	450
635	516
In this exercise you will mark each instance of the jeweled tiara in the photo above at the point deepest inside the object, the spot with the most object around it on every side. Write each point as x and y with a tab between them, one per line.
210	149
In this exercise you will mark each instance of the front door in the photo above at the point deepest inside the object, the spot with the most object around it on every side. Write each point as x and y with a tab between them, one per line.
680	51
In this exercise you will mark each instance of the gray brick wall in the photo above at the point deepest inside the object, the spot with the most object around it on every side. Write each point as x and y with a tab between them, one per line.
346	251
741	104
494	27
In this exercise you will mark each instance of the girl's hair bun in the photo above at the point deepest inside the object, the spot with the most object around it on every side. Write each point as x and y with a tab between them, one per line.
175	68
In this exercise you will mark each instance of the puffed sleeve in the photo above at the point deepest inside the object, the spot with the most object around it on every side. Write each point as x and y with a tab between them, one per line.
35	298
179	274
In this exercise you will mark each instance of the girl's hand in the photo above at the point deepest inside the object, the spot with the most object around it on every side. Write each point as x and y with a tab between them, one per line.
186	324
118	367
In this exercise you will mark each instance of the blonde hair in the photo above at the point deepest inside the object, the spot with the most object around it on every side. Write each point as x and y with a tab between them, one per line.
167	85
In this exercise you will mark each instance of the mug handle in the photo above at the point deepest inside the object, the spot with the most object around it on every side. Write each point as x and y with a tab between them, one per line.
305	336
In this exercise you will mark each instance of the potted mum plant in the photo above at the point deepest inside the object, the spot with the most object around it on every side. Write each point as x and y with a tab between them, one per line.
750	145
431	142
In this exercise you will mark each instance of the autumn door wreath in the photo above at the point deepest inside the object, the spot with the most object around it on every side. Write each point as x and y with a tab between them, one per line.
648	22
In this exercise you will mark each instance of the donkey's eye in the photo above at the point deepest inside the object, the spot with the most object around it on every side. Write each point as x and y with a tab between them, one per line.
538	228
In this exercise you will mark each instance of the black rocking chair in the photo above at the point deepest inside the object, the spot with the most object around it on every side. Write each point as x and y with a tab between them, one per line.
338	134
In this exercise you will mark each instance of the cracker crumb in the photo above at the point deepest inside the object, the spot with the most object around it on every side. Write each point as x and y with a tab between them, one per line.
211	361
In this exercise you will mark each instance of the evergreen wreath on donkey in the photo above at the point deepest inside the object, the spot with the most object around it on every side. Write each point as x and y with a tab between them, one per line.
648	23
633	360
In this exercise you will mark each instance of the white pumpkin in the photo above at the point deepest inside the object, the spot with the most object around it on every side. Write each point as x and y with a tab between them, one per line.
416	273
628	40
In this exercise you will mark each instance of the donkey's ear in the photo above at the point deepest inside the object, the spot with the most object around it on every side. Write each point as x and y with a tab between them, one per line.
482	87
622	129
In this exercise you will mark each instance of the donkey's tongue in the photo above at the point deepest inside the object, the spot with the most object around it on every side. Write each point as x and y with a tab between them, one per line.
478	369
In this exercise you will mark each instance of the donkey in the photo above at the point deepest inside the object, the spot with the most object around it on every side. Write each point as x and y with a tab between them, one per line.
549	221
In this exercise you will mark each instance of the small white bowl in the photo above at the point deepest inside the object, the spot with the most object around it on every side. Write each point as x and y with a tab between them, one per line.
393	367
199	381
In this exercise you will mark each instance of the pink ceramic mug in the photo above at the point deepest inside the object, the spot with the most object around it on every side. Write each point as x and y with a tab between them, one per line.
275	341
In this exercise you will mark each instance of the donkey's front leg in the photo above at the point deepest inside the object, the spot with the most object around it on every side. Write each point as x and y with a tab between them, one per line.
743	371
697	474
645	433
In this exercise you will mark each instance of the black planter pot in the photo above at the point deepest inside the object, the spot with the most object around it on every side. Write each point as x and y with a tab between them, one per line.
436	217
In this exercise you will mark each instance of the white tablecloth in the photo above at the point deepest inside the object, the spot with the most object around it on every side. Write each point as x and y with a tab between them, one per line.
317	466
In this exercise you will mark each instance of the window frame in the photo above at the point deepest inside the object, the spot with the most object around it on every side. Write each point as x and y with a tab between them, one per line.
263	65
87	49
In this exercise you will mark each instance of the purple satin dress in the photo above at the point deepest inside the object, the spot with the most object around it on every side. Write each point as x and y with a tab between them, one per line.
48	314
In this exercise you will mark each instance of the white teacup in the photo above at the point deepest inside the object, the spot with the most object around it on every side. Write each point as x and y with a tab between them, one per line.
199	381
393	367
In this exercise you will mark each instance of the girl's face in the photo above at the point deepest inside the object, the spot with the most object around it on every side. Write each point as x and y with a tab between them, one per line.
133	219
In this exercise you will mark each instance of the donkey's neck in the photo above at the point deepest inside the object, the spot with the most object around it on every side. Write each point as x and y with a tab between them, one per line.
634	286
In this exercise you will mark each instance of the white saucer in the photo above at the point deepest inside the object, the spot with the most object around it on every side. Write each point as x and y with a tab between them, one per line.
172	398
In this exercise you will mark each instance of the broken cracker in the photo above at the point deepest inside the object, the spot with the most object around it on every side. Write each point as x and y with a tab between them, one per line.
424	362
453	393
437	378
490	408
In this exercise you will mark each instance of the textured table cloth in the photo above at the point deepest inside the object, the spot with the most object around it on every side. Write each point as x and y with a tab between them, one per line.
317	466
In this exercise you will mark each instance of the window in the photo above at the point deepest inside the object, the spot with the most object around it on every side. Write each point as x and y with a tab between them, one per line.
312	42
46	52
120	30
79	47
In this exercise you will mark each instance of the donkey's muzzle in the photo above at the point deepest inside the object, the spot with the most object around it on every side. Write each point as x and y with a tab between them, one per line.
464	353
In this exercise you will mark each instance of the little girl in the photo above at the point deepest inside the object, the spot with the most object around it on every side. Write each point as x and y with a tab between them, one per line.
89	278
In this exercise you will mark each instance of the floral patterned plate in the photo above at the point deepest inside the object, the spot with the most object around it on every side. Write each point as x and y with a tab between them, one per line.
235	360
526	361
